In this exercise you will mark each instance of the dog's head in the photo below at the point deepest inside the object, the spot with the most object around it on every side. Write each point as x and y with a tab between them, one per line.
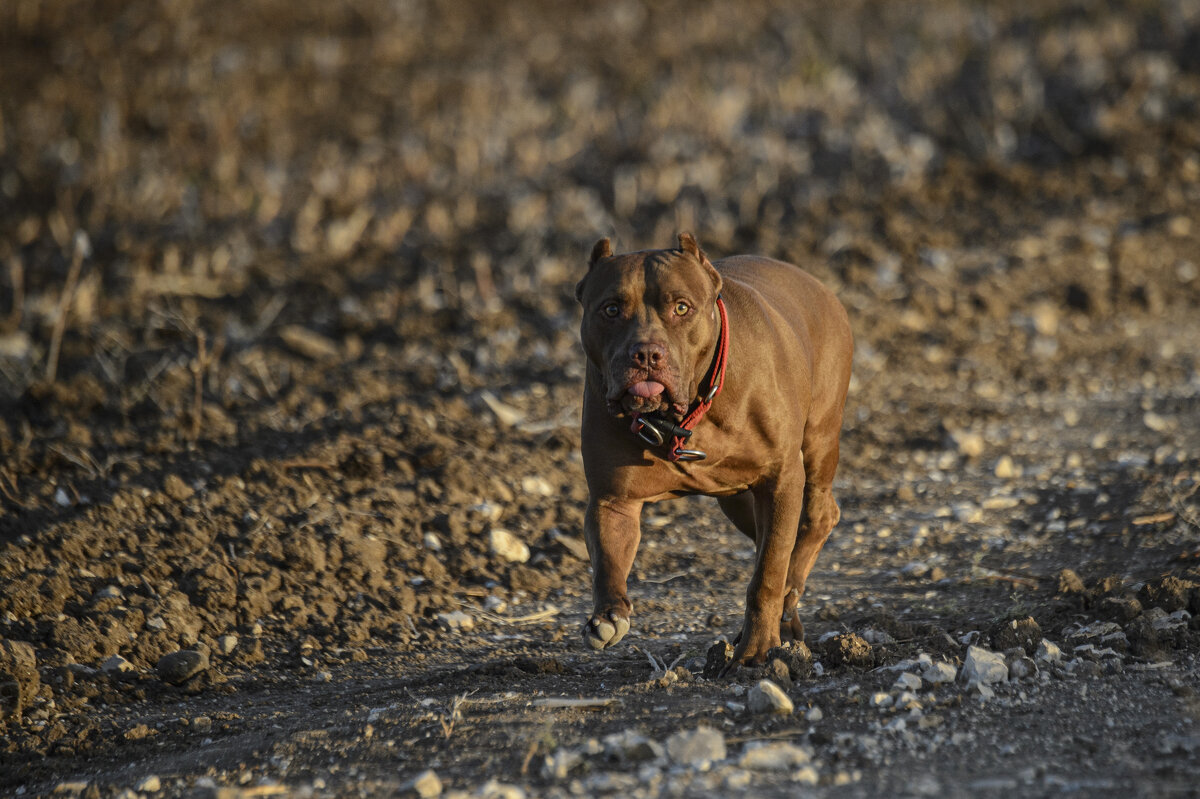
650	325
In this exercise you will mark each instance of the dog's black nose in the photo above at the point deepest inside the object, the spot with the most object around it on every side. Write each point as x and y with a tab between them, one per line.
648	354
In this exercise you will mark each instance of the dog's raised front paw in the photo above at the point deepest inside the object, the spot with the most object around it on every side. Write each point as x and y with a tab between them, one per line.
604	630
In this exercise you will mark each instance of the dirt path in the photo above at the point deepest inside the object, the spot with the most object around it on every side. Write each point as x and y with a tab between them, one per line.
290	498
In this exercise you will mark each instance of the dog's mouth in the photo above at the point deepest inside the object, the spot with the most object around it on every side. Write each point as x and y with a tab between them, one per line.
642	394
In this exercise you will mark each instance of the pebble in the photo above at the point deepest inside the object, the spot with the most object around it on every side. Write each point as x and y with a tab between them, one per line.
176	489
767	697
507	546
151	784
456	620
559	765
881	699
1048	652
630	746
226	644
116	665
773	756
1005	468
1021	668
939	673
806	775
907	681
425	785
984	666
698	748
814	714
179	667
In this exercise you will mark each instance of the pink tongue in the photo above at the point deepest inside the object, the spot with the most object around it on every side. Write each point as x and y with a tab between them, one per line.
646	389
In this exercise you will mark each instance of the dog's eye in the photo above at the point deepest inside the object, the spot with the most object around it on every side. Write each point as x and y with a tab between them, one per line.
611	310
682	308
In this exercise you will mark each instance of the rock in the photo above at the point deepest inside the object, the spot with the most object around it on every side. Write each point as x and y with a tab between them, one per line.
1169	593
1023	633
1123	609
797	657
179	667
425	785
19	679
698	748
806	775
1021	667
629	746
849	649
1048	652
907	681
773	756
718	657
778	673
1005	468
939	673
116	665
1069	583
507	546
151	784
176	489
456	620
881	699
907	700
308	343
983	666
969	444
814	714
767	697
226	644
559	765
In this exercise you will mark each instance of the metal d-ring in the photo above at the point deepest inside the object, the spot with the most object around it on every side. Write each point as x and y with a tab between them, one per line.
690	455
656	438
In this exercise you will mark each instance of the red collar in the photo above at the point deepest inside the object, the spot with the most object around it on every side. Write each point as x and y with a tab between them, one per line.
654	431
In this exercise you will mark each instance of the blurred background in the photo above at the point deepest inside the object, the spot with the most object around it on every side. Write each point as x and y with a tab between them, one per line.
239	166
287	325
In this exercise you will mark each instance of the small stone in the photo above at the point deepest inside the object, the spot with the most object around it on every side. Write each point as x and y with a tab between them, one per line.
814	714
308	343
849	649
907	681
425	785
494	789
718	657
179	667
1023	633
1005	468
226	644
456	621
507	546
969	444
881	699
806	775
698	748
630	746
1069	582
1048	652
176	489
1021	667
774	756
767	697
907	700
559	765
18	667
983	666
777	672
151	784
939	673
116	665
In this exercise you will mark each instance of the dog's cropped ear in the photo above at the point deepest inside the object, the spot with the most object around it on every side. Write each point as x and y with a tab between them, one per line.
687	243
601	250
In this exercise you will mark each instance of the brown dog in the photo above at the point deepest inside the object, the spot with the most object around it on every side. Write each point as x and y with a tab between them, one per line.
748	359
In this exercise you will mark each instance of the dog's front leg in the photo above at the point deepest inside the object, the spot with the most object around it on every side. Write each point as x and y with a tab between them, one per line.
777	507
612	528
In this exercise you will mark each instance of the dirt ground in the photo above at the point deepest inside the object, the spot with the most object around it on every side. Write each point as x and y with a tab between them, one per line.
290	493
